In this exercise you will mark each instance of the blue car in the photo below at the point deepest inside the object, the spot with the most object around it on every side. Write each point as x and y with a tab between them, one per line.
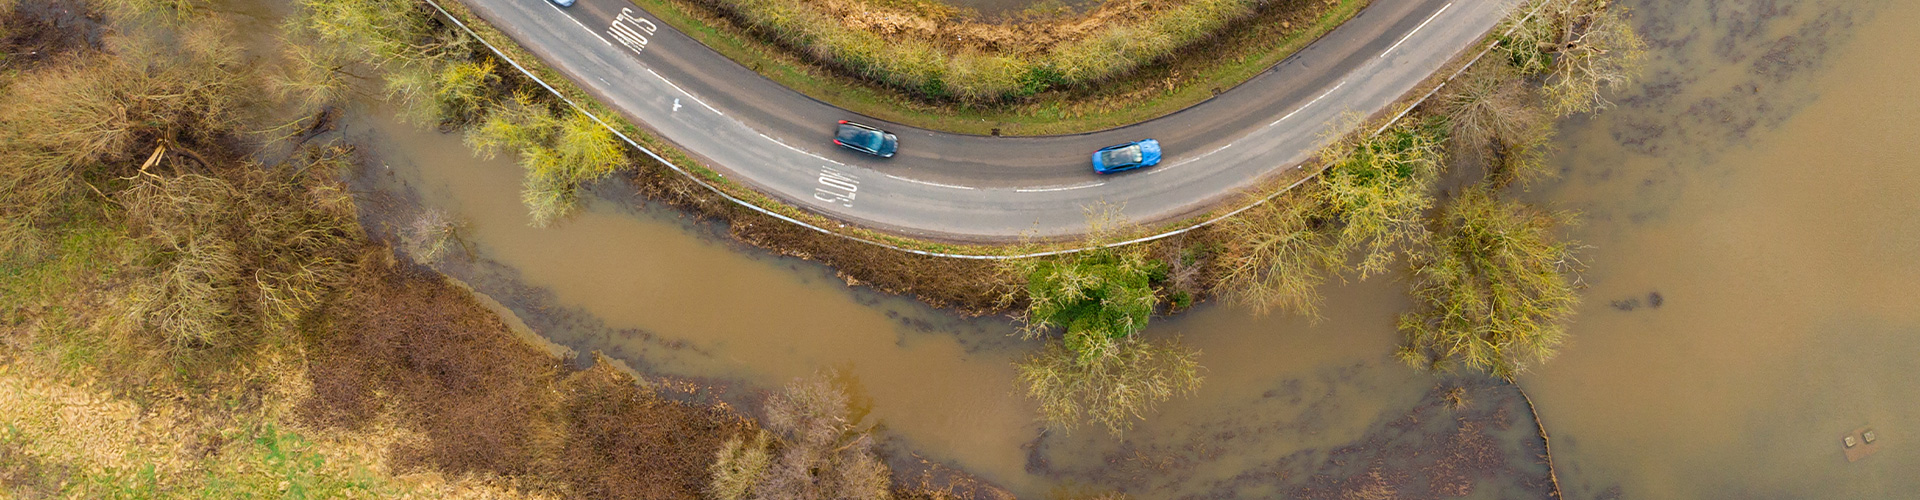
562	3
866	139
1137	154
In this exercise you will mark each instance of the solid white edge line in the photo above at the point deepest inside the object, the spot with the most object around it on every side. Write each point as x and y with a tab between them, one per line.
596	34
1416	29
935	184
684	91
1061	188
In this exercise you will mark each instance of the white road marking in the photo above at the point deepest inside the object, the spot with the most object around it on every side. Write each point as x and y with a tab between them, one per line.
935	184
833	182
596	34
684	91
676	104
1323	95
798	150
1061	188
1191	160
1416	29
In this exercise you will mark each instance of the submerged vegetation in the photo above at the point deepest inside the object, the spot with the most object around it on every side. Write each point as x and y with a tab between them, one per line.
444	77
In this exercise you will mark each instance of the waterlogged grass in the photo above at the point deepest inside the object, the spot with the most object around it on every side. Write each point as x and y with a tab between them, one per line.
1120	77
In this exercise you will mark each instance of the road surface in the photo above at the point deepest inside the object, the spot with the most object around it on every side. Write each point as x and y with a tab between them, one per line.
978	188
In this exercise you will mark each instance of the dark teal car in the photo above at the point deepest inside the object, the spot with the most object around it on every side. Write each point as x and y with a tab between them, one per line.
866	139
1122	157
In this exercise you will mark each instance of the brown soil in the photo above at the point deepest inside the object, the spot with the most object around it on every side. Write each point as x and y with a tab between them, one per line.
487	402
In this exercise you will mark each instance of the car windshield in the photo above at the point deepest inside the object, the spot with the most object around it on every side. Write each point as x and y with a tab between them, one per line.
1121	157
859	137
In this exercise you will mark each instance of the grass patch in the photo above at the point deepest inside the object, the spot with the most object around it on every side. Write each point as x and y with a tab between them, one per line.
1048	101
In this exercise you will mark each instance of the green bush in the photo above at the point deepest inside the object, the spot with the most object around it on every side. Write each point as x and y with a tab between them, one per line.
1095	296
1494	292
1379	188
559	154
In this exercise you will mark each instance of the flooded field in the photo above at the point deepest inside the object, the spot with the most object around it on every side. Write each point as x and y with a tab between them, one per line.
1753	277
1755	280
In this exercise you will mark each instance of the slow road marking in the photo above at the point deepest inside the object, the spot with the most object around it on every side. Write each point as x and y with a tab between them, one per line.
836	187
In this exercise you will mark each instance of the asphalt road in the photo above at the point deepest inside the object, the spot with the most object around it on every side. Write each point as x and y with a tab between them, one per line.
979	188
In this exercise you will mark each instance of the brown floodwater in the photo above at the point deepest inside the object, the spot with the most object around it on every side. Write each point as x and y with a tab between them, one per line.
1751	298
1754	211
673	298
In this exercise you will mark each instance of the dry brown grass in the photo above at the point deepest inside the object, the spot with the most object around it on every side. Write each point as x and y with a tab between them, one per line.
487	403
624	441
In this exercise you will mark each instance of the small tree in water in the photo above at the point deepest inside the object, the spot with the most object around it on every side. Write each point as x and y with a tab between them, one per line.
823	454
1098	371
1495	291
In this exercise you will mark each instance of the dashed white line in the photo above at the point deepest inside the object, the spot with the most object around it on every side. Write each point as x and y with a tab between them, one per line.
1190	160
1061	188
684	91
596	34
796	150
934	184
1416	29
1323	95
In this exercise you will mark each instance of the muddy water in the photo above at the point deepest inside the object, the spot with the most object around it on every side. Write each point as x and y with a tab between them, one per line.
673	299
1755	281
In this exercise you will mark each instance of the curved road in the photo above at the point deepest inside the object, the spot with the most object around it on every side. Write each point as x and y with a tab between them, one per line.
978	188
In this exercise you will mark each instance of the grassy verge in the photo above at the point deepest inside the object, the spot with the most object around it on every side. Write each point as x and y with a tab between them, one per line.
1234	53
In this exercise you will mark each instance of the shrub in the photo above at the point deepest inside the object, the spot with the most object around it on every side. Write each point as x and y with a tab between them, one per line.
1094	295
1111	382
1278	254
823	455
1498	118
232	257
739	466
1584	48
1495	291
1378	189
559	154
